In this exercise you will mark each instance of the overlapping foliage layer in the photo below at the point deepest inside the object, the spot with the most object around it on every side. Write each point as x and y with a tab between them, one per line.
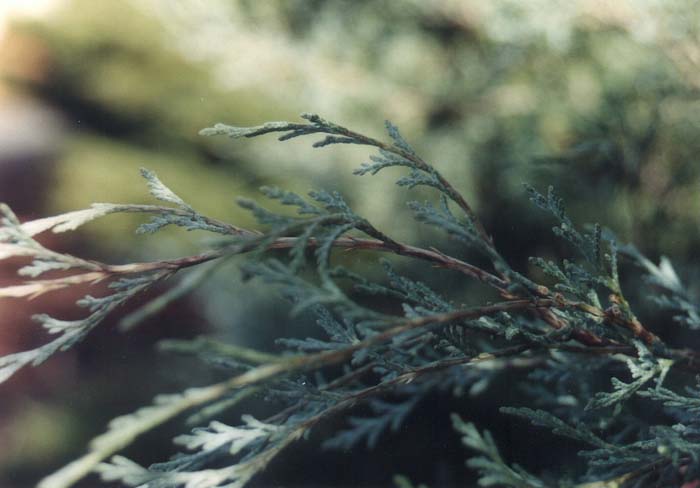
565	333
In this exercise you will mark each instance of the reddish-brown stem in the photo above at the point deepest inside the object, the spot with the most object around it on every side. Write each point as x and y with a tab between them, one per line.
350	243
430	255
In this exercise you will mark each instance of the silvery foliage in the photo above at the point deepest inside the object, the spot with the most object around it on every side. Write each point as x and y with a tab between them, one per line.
567	335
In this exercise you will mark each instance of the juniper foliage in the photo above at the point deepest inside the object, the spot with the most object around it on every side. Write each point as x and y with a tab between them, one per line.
565	333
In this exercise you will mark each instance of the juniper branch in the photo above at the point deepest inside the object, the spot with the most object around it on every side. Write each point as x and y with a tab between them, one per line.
407	353
200	396
343	135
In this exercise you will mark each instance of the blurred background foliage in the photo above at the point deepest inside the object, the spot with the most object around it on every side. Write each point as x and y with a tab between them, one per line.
598	98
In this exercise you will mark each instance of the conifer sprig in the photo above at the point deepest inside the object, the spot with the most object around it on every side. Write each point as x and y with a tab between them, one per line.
388	361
